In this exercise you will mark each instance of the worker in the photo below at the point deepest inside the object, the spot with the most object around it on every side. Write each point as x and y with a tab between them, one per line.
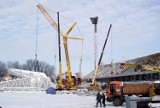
98	98
103	99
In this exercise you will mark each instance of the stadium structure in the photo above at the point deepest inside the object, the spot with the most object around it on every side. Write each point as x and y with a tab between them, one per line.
119	72
23	80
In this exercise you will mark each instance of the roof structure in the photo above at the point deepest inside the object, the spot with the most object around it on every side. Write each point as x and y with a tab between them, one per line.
113	70
25	73
26	81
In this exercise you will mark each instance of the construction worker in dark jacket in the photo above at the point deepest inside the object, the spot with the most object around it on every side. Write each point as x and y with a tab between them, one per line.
98	98
103	99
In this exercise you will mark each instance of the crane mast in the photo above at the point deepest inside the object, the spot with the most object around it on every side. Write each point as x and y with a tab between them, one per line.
64	37
59	86
67	60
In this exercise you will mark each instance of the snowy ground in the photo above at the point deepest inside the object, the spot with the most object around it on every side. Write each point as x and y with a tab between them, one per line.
42	100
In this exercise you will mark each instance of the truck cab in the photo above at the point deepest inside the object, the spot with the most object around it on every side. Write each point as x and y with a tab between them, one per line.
155	91
114	93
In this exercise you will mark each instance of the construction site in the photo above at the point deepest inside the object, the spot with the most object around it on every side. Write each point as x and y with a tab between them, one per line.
69	69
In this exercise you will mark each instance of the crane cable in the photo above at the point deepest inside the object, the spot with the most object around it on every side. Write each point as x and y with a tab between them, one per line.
111	52
81	54
36	48
111	47
74	55
55	53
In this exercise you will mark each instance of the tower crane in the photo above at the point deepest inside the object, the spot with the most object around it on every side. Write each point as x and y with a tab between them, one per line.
65	37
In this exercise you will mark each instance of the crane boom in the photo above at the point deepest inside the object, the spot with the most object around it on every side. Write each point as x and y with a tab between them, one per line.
96	70
64	37
141	67
48	17
151	68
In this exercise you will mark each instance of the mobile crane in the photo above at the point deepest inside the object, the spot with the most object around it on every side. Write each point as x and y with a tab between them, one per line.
65	36
94	86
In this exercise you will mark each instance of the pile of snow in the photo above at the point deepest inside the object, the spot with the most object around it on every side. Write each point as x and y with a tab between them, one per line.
26	81
25	73
154	105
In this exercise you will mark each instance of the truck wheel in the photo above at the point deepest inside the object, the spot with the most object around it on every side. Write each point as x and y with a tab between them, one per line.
117	101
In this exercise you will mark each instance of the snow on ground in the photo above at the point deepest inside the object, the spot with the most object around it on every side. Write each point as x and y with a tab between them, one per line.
42	100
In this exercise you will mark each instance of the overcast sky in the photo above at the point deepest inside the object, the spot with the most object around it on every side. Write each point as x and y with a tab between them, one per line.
135	30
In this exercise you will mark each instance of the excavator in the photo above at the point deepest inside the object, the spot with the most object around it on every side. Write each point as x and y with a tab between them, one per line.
140	67
69	84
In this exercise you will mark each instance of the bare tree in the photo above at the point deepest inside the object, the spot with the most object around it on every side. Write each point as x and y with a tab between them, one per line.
29	65
46	68
2	69
40	66
15	64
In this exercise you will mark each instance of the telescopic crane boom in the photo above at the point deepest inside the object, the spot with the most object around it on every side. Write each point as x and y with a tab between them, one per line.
141	67
96	70
64	37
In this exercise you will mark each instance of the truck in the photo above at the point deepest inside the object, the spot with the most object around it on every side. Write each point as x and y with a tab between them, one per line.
116	91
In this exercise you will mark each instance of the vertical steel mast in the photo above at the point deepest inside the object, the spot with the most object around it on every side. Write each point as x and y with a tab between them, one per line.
94	21
59	47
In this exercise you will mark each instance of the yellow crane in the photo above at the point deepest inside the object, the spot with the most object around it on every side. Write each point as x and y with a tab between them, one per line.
64	38
141	67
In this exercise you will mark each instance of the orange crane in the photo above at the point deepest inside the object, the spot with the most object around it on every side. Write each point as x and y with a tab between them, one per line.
64	37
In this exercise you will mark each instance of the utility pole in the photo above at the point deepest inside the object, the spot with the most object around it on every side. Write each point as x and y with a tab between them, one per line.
94	21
